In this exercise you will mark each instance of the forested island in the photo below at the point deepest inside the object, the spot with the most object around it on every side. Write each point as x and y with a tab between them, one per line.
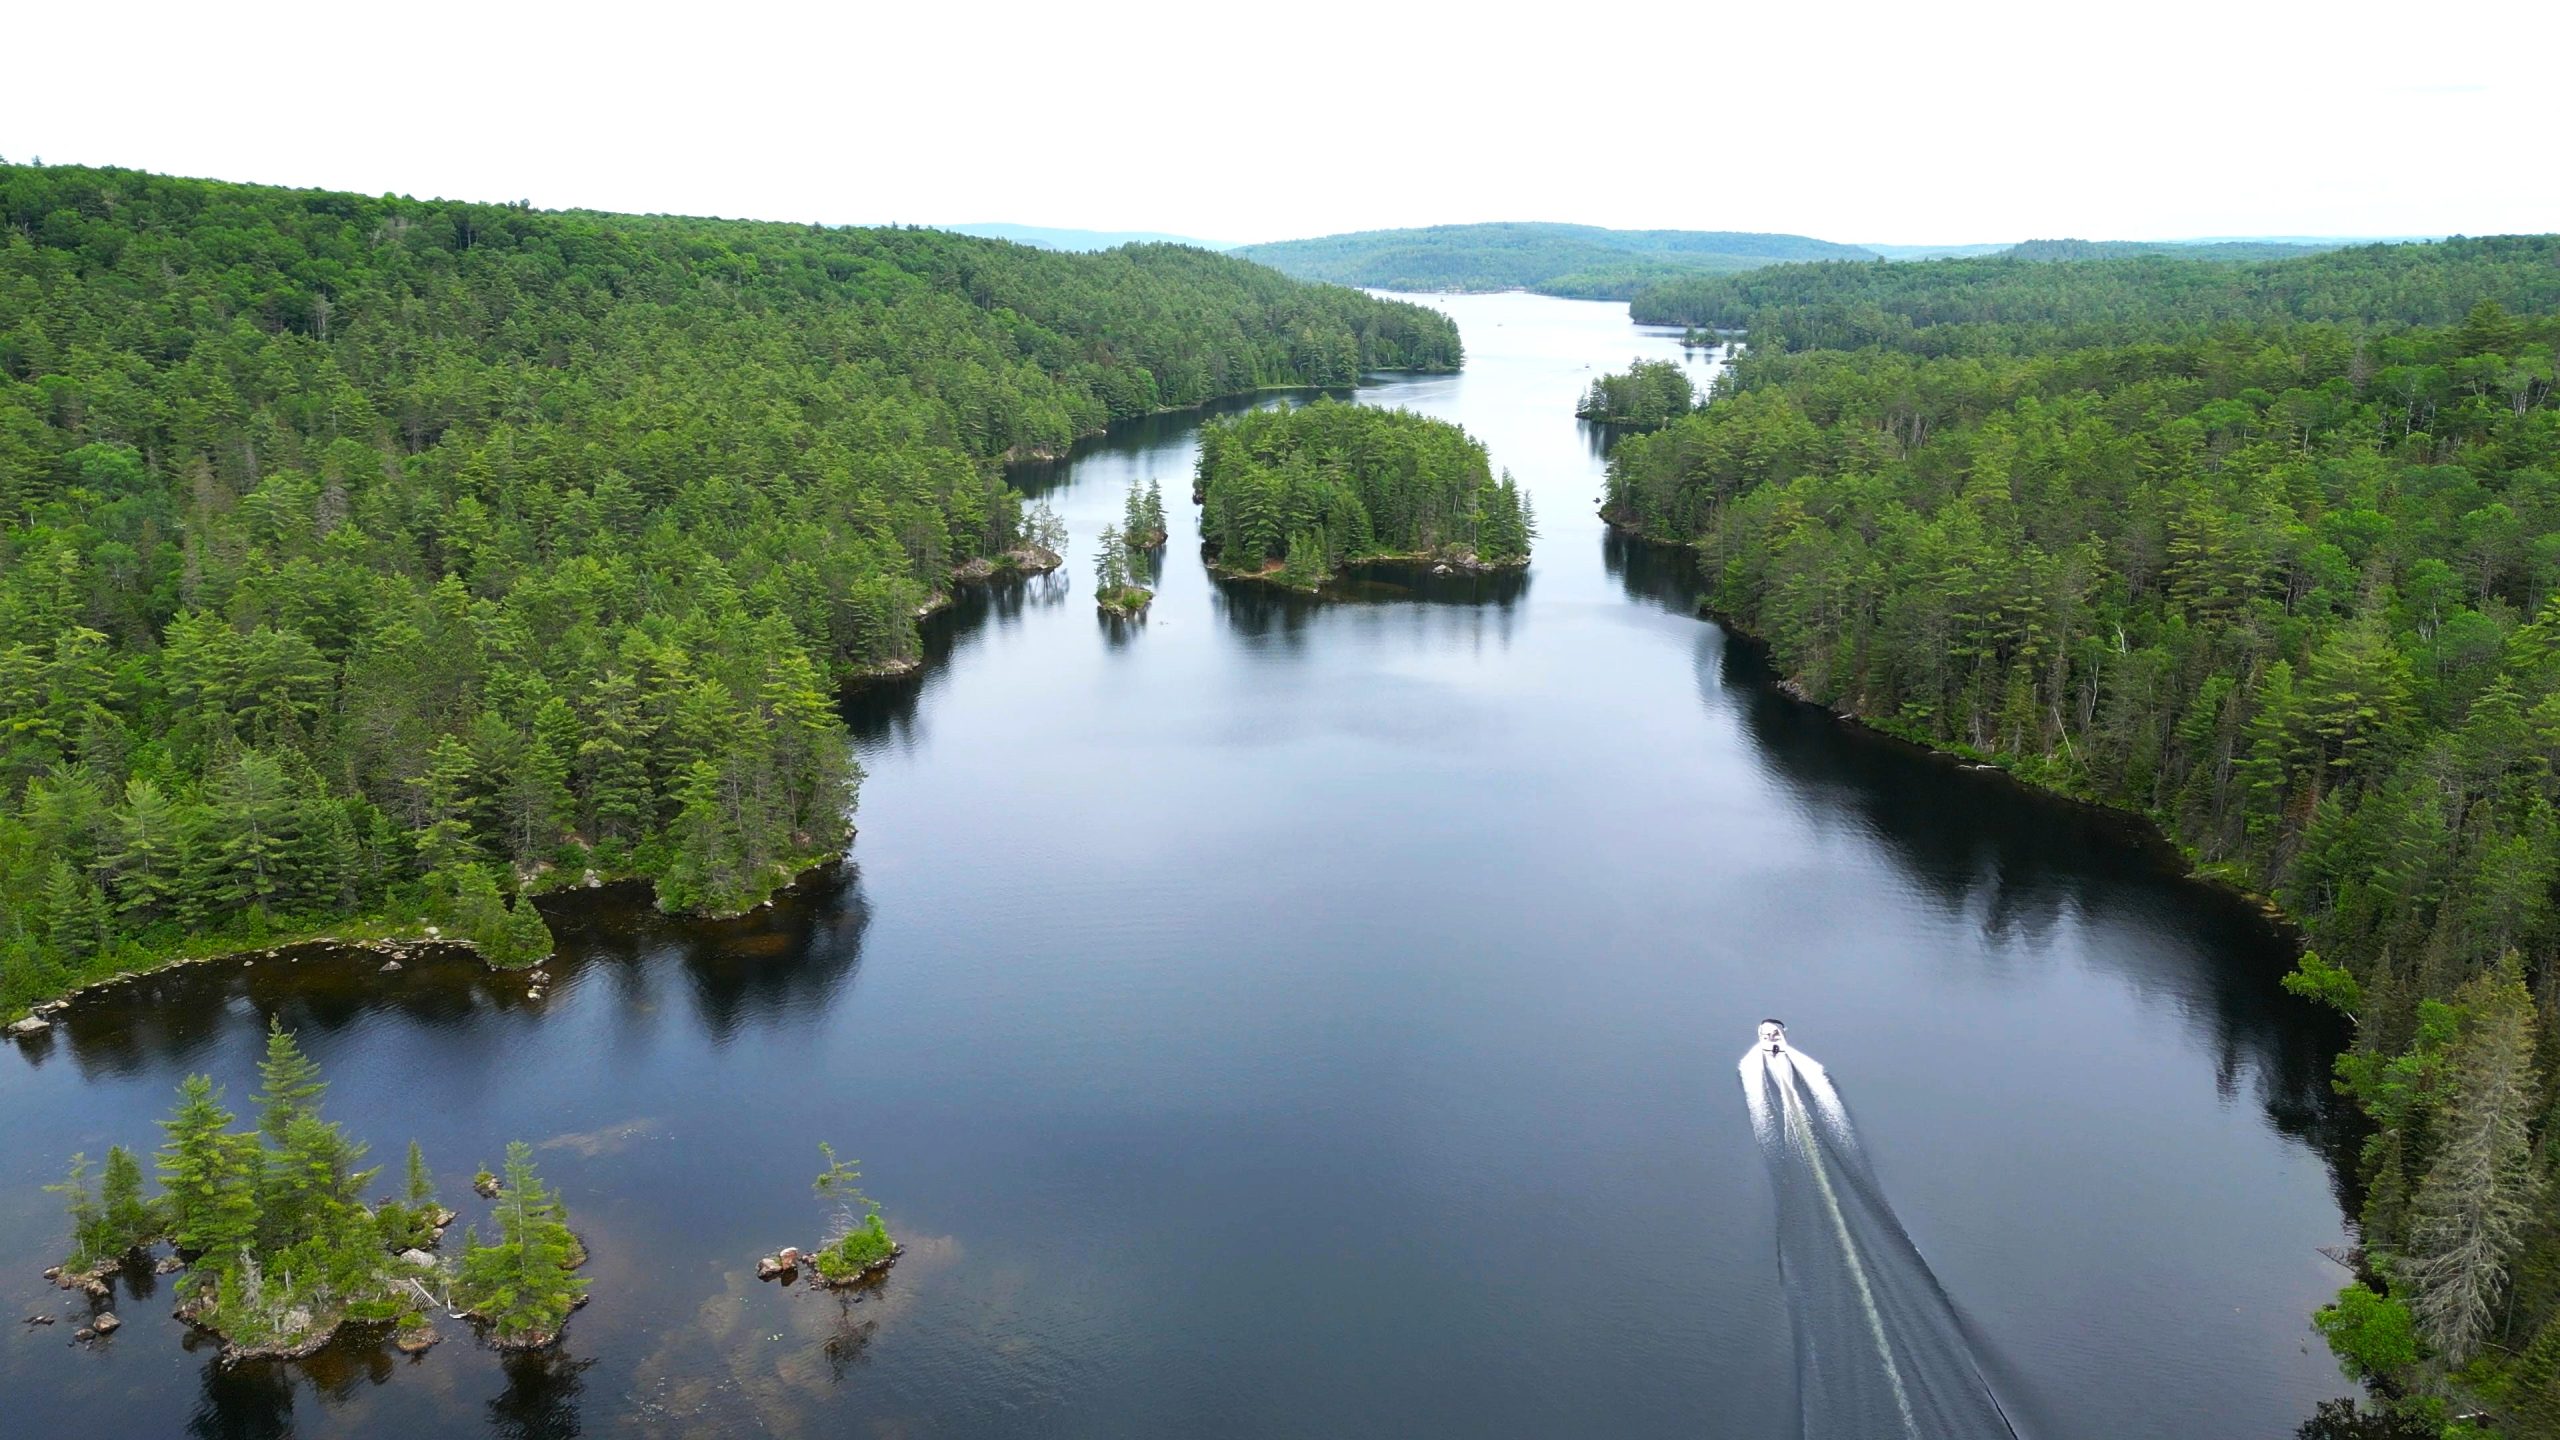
2270	554
375	562
277	1249
1292	495
1650	395
1578	261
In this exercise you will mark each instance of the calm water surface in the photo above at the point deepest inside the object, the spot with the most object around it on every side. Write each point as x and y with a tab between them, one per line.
1307	1019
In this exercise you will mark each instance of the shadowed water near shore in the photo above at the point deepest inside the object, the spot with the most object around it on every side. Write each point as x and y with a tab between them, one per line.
1283	1017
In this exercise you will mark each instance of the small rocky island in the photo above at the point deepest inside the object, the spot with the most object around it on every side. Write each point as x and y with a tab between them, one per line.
1292	496
1118	564
857	1249
277	1249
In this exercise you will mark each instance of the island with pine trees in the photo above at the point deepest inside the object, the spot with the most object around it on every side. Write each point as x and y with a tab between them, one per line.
1650	395
276	1248
857	1249
1291	496
1125	554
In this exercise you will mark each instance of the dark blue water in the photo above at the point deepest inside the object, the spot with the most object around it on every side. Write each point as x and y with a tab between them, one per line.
1297	1018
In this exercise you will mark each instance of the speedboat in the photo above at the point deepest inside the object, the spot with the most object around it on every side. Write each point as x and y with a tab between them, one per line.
1773	1036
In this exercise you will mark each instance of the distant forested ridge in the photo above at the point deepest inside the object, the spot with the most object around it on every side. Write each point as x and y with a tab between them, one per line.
373	556
1579	261
1052	237
1310	489
2271	555
2004	305
2227	251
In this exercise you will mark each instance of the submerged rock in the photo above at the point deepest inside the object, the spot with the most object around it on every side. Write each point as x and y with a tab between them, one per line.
415	1339
106	1323
389	967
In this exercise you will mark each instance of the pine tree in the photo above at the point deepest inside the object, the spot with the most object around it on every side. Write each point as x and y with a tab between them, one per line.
193	1161
523	1283
421	1187
614	758
289	1084
2472	1208
1110	564
80	1198
75	913
149	862
449	785
131	1221
526	938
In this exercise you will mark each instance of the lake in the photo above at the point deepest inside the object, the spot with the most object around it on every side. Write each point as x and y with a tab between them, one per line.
1295	1017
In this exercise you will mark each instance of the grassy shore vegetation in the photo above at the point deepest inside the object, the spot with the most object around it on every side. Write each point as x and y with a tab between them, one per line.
2292	588
280	1248
1652	394
364	557
1293	495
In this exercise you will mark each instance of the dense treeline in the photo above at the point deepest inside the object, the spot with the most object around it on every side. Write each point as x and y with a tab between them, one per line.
1318	486
2003	305
1580	261
1652	394
2292	589
374	557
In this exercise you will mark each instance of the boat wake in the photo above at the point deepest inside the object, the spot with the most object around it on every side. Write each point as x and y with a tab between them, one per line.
1880	1351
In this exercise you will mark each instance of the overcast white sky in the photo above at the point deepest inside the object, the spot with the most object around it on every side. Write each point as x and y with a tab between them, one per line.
1838	118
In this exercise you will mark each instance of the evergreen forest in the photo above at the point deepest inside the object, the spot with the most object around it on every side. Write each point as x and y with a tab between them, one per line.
376	560
2270	554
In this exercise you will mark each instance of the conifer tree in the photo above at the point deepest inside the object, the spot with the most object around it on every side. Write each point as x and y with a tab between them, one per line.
194	1161
130	1219
524	1282
80	1197
2472	1208
420	1190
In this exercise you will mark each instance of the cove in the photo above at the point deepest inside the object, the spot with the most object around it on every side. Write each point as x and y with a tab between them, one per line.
1290	1016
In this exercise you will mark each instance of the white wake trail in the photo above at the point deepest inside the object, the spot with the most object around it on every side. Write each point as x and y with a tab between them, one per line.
1879	1349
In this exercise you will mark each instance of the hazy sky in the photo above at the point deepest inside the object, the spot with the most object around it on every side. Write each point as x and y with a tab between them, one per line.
1851	121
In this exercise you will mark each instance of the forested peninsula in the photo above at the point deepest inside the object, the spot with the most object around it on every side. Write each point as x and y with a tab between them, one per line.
1293	495
369	560
2272	555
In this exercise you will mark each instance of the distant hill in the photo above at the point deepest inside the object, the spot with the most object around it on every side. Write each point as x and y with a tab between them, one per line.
1935	252
1582	261
2008	301
1050	237
2233	251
